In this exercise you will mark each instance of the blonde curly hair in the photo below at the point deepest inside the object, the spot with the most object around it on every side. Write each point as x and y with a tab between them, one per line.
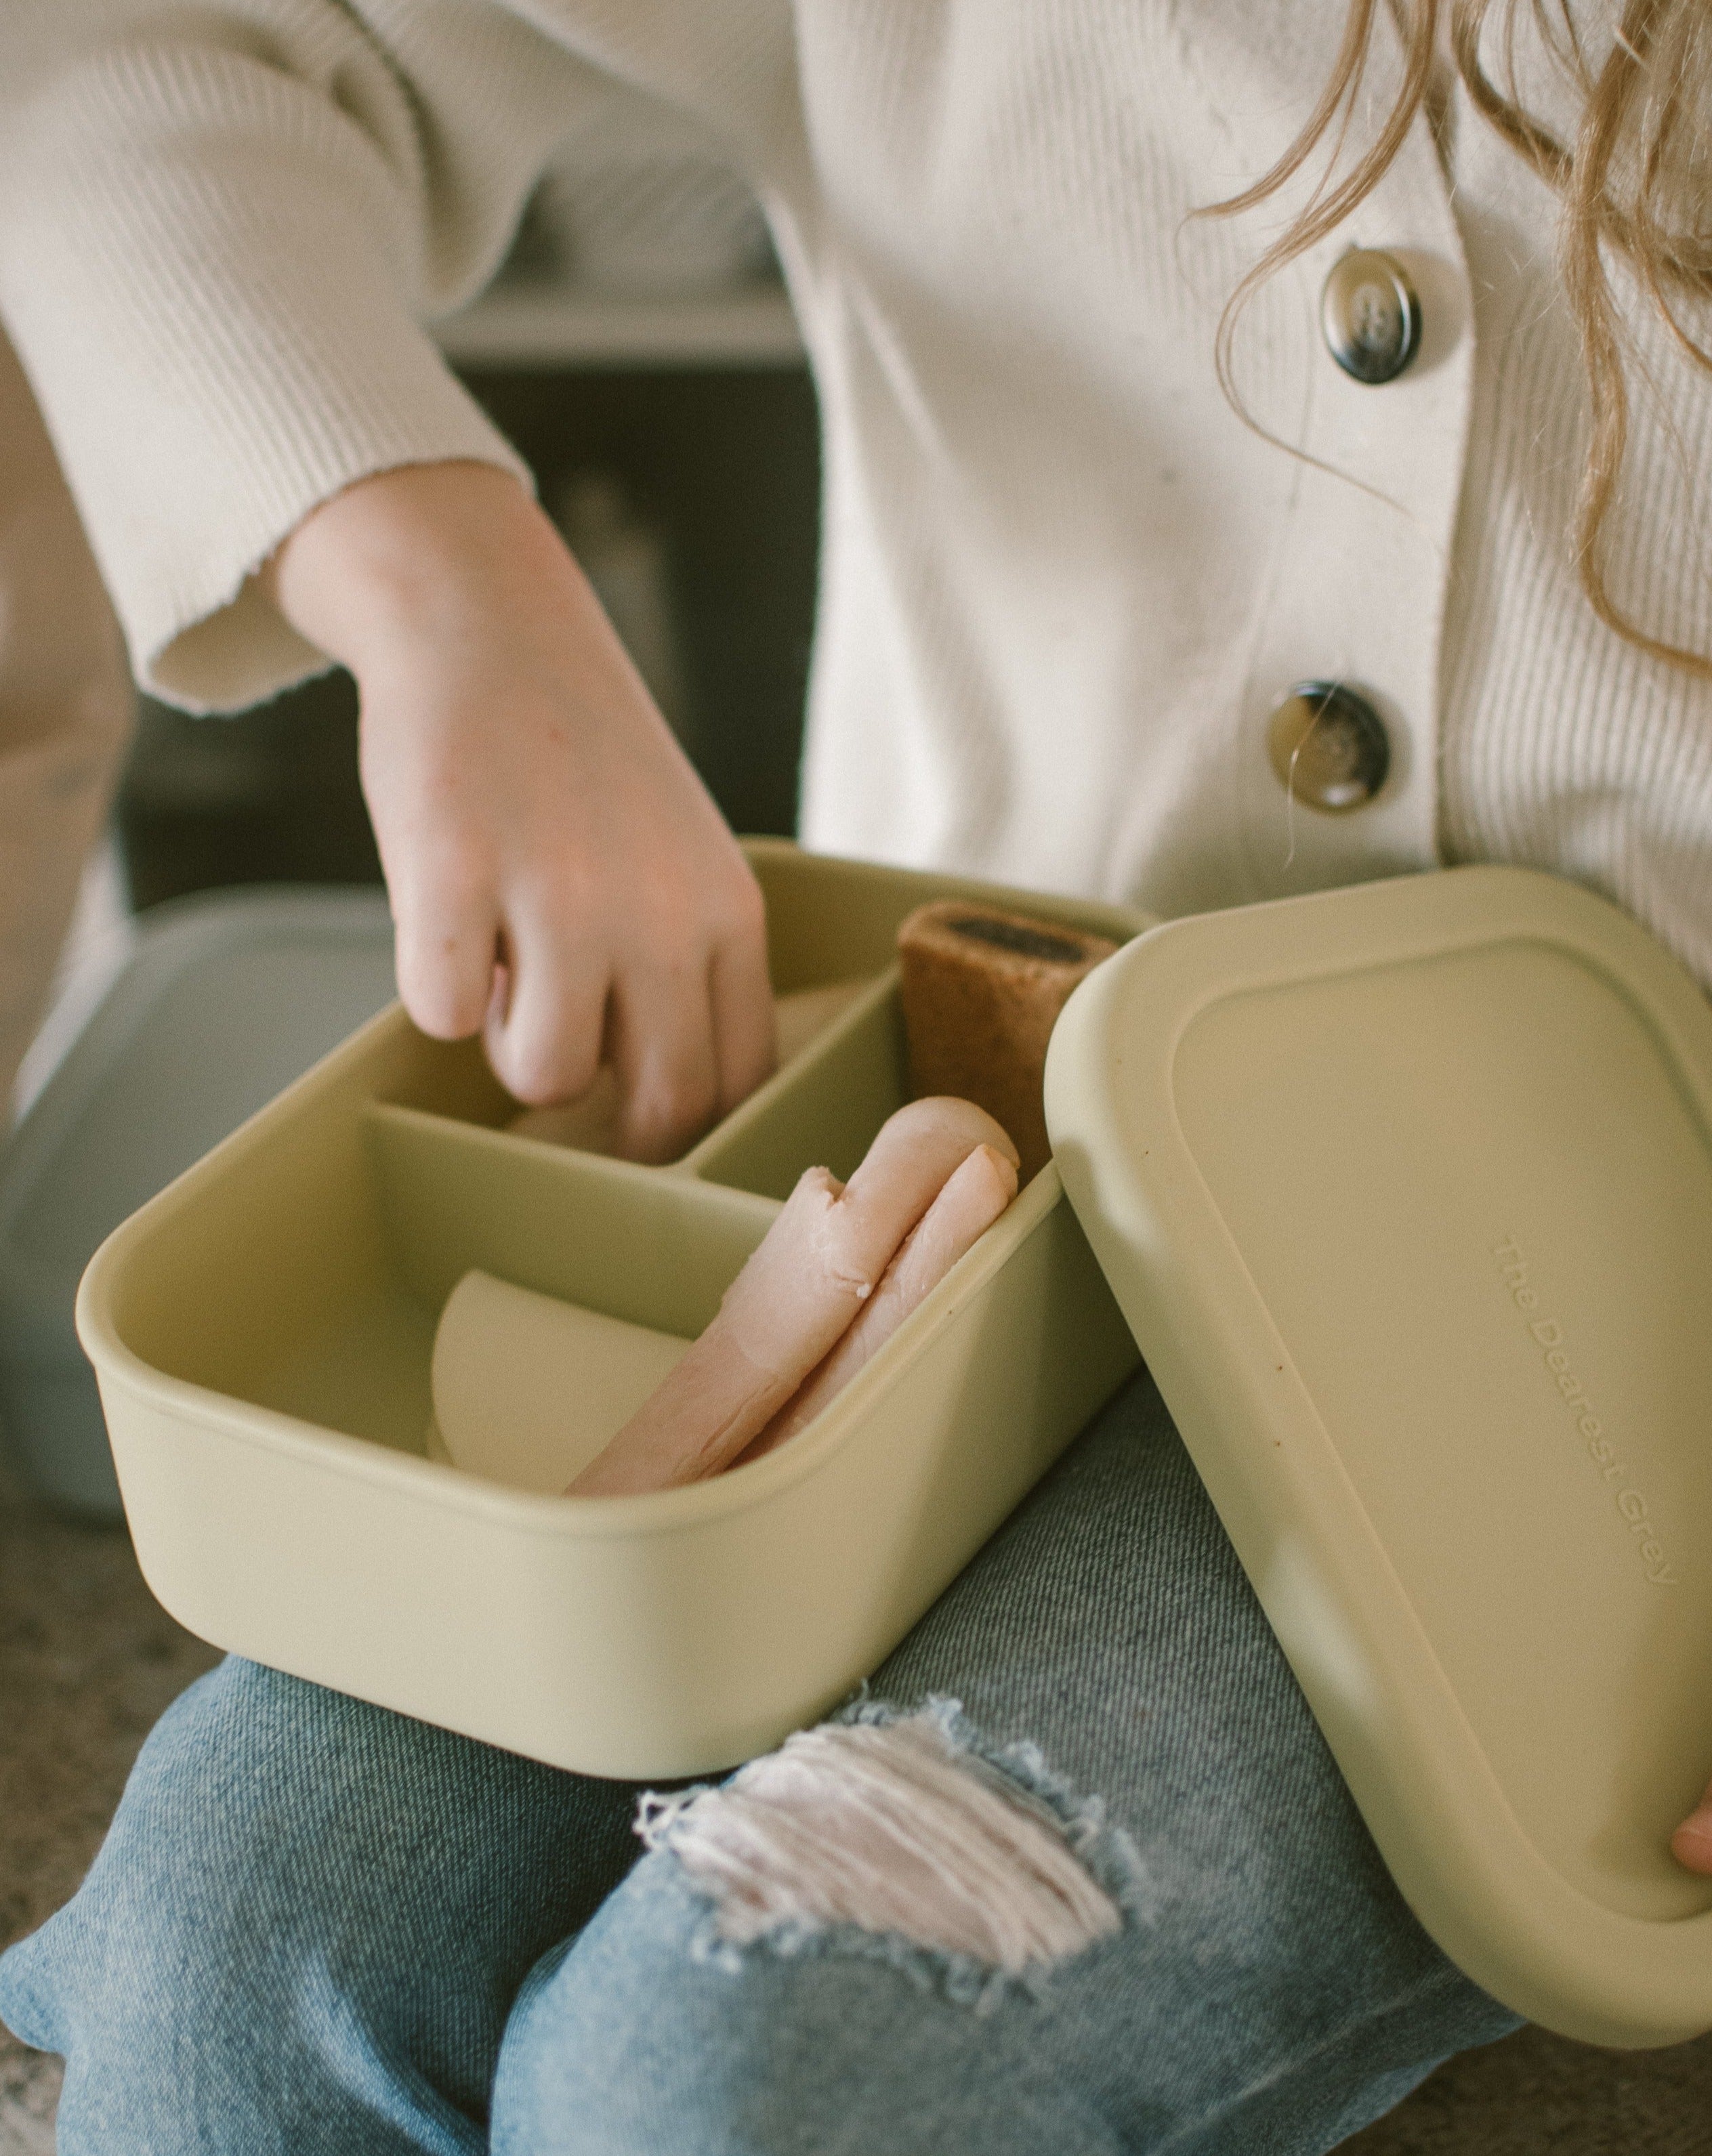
1635	182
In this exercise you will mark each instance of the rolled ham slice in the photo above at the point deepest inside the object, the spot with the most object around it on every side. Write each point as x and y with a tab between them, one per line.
795	1299
956	1220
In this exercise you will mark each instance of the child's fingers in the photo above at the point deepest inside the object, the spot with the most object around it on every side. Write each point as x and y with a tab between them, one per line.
744	1043
663	1047
543	1041
445	944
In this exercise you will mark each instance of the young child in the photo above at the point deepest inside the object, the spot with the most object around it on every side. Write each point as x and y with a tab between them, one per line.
1079	551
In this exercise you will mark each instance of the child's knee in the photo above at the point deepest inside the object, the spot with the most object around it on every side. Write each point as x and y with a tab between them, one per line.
881	1888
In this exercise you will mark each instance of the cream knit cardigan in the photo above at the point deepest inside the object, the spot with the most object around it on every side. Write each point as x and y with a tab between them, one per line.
1063	584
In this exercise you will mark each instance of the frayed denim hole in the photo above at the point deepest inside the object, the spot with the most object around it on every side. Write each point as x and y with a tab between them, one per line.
1023	1771
903	1835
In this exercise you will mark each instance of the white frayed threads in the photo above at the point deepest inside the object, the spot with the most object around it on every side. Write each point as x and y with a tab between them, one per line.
892	1827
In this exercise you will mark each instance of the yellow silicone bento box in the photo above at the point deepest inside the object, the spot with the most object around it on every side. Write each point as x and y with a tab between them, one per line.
262	1331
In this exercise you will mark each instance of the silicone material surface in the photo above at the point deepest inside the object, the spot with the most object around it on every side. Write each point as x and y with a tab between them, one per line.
262	1332
1406	1193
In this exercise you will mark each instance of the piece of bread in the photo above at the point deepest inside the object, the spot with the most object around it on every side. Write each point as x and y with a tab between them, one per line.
982	991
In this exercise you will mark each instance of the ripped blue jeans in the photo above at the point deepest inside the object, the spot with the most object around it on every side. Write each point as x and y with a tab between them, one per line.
1114	1899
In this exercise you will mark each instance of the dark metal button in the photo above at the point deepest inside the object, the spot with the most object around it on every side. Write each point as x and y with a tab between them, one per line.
1328	747
1371	315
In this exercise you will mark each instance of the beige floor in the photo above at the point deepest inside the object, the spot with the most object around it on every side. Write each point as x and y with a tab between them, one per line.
88	1660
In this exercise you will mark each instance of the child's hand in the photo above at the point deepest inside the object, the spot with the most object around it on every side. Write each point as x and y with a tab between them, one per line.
560	879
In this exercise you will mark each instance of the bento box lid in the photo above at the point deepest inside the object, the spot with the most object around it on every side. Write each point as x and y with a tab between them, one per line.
1405	1191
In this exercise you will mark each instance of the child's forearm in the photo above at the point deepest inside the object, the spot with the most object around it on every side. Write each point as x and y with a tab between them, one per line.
437	549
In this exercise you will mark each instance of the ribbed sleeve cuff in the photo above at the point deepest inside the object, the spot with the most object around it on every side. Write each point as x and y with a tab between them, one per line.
211	312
